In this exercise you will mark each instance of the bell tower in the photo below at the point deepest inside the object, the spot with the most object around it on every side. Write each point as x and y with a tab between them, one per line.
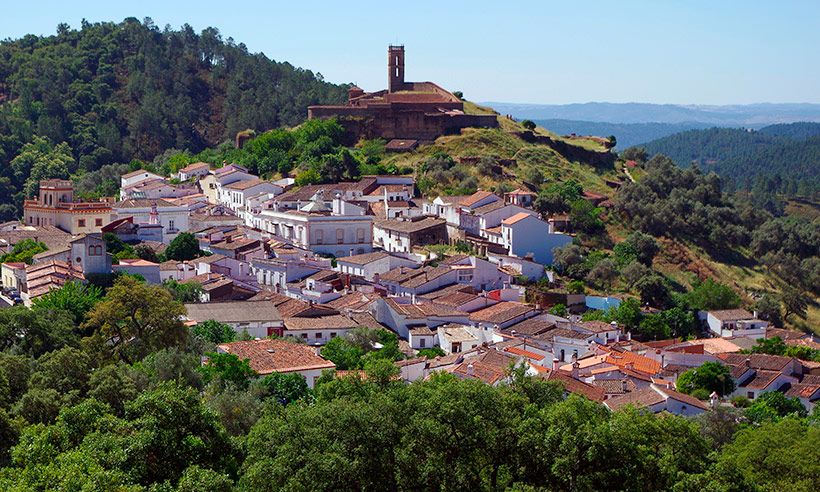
395	68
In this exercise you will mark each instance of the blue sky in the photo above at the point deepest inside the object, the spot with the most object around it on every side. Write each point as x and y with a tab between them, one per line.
688	52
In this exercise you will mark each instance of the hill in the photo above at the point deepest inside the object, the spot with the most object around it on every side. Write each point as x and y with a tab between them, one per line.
627	134
788	155
749	115
118	91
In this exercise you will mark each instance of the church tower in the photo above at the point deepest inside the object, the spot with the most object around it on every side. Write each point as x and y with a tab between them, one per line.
395	68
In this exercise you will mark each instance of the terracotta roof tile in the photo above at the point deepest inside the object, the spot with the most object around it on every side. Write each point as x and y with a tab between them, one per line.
267	355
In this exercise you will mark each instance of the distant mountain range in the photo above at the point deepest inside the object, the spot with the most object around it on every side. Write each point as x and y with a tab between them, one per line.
787	154
749	115
627	134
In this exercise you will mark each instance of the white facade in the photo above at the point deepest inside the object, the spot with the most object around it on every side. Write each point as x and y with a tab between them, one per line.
531	235
372	269
341	232
130	179
173	218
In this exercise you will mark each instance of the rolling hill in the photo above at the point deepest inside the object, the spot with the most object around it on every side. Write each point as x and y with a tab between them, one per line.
788	154
627	134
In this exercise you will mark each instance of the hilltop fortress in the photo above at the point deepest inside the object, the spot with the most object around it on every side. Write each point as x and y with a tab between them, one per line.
405	110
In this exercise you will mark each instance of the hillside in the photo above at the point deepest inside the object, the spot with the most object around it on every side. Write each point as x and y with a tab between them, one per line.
114	92
787	154
628	134
511	159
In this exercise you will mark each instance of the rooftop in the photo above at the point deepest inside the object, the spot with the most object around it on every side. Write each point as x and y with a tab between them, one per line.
266	356
409	226
501	313
731	314
233	312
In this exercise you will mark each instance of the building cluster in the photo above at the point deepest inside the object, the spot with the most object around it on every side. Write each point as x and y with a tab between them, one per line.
313	263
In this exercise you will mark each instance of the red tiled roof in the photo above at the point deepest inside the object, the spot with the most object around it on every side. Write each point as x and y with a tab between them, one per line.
475	198
572	385
515	218
639	363
501	312
266	356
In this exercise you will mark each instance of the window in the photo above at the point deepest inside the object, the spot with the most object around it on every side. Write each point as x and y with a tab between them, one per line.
98	222
171	225
320	236
304	335
317	335
81	223
340	236
750	395
332	334
360	235
422	342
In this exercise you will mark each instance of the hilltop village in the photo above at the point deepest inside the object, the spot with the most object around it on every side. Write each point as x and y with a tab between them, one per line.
290	269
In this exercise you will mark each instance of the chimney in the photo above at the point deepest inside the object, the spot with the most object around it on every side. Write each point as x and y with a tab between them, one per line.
351	252
663	360
555	364
575	369
713	399
624	385
748	362
470	369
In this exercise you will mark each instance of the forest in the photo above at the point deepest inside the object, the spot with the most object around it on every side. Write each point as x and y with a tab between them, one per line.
108	93
785	157
103	389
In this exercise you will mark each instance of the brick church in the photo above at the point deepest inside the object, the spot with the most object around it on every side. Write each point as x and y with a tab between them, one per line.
406	111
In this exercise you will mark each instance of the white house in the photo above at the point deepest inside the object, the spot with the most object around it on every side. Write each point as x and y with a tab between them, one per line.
524	234
403	234
319	330
234	195
130	179
197	169
371	265
258	318
656	399
267	356
342	230
173	218
735	322
146	269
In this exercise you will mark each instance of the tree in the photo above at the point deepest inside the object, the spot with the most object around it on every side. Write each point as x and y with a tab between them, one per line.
559	310
238	409
227	368
768	308
195	478
187	292
710	295
681	322
634	272
627	314
35	331
637	246
183	247
528	124
75	298
39	160
112	384
566	256
795	302
381	371
709	376
603	273
214	331
283	388
431	352
654	327
24	251
779	455
585	216
548	203
575	287
653	290
773	405
135	319
342	353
